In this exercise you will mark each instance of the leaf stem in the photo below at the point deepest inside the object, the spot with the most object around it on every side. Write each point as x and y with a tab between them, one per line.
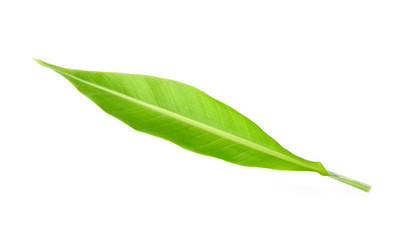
349	181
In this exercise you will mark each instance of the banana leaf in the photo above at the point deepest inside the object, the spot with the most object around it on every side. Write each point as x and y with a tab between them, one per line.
190	118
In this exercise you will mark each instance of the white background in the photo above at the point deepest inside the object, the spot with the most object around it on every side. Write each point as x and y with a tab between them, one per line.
318	76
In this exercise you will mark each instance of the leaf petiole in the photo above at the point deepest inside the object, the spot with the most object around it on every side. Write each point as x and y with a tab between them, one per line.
363	186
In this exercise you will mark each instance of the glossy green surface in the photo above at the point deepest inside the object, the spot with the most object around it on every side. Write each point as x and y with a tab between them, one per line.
189	118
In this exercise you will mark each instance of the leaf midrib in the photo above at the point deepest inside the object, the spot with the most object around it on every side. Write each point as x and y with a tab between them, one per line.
195	123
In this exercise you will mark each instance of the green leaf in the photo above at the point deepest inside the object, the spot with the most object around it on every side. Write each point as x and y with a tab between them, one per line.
189	118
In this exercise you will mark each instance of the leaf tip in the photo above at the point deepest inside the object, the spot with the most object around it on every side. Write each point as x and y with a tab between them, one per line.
39	61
